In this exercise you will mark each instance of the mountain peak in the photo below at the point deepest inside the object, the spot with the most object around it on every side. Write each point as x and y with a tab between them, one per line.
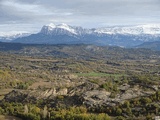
58	29
63	24
51	25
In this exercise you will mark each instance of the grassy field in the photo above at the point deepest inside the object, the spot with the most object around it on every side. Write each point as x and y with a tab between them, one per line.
2	117
94	74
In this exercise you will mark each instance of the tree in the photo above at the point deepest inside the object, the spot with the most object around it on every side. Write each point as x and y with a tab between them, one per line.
126	104
146	100
1	111
25	109
129	111
45	112
118	111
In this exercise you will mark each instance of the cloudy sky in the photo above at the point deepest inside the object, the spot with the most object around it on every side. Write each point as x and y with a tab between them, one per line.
31	15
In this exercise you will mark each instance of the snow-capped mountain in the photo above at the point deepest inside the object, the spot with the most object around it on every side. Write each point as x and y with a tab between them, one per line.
118	35
132	30
64	29
61	29
12	35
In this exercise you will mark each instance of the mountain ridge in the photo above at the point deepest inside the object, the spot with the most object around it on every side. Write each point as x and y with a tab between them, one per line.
10	36
115	36
134	30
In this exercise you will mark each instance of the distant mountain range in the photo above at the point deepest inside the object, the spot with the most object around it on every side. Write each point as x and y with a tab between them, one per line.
124	36
10	36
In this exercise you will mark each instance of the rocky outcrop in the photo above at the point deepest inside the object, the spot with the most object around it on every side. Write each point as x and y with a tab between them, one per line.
95	98
29	95
98	98
87	93
80	89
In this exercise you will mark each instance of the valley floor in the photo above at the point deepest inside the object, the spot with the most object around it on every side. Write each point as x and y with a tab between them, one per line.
79	82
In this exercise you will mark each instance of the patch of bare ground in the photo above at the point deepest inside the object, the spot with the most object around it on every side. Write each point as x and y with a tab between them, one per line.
2	117
3	92
40	84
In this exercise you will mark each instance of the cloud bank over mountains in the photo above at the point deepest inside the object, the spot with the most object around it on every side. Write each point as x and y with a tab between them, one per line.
32	14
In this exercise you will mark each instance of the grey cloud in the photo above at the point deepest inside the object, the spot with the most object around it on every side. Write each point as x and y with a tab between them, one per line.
21	12
80	12
99	7
104	7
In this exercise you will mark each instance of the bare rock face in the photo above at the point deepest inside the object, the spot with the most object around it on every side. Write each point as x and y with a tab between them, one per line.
29	95
95	97
82	88
63	91
98	98
128	92
124	87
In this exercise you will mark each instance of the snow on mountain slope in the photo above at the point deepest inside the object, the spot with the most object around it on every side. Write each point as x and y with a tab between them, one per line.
127	36
62	29
134	30
8	36
58	29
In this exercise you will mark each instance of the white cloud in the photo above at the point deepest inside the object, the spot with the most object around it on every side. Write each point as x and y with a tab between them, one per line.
26	8
88	13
